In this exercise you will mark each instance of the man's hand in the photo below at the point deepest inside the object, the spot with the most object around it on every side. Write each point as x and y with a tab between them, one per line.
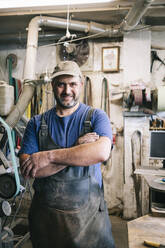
87	138
35	162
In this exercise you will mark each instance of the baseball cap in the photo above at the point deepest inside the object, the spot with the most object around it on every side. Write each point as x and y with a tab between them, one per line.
67	68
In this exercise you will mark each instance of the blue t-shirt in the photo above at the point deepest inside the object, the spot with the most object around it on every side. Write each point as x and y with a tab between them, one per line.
66	130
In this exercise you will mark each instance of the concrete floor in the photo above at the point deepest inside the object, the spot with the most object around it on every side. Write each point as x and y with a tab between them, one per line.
119	230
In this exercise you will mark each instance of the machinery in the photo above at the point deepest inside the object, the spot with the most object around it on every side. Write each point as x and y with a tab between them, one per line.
10	186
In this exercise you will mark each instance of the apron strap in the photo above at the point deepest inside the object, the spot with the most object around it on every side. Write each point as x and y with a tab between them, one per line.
45	140
87	123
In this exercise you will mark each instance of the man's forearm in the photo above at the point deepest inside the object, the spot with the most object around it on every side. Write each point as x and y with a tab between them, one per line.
82	155
45	171
49	170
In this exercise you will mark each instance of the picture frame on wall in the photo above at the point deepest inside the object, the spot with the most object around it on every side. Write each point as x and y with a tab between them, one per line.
110	59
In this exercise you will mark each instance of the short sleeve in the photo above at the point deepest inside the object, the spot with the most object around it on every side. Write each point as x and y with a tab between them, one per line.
101	123
29	144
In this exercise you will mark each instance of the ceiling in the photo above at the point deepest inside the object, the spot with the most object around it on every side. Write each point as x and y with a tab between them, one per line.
14	22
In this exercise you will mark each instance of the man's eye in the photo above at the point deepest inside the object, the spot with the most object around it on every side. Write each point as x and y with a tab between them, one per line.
60	84
73	84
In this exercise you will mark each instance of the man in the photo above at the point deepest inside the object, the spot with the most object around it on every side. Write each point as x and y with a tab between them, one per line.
68	208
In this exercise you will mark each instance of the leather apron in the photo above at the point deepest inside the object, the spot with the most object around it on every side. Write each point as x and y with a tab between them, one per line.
68	209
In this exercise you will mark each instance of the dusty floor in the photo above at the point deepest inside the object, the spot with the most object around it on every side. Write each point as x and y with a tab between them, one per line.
119	230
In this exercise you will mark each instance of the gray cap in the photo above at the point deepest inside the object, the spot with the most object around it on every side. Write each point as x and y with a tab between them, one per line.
67	68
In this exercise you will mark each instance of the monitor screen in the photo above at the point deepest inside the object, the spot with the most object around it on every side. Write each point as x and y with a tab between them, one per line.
157	145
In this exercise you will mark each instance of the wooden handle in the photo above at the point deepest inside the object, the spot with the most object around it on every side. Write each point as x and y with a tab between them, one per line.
151	244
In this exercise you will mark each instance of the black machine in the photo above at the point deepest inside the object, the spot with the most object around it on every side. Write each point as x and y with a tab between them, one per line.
157	187
157	145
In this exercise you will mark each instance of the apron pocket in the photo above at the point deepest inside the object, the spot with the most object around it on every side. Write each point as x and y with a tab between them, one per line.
67	195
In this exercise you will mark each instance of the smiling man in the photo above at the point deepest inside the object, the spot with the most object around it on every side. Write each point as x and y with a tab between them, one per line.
64	153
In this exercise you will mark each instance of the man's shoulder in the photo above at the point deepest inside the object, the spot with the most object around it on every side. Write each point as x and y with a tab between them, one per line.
36	119
46	115
83	107
99	113
96	112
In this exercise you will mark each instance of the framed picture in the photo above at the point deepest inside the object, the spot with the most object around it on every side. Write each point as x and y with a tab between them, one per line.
110	59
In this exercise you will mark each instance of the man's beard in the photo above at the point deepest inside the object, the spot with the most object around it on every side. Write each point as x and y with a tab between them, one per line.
64	105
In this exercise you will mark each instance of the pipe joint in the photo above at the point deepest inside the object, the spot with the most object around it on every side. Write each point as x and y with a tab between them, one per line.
30	82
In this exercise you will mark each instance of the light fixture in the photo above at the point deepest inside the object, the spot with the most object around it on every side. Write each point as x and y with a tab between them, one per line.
40	3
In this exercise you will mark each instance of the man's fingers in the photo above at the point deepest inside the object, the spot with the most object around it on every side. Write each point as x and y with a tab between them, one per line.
27	172
26	167
88	138
91	134
25	164
33	172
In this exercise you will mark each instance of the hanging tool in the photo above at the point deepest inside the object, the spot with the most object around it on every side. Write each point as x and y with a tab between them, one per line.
154	57
105	102
105	99
88	91
153	244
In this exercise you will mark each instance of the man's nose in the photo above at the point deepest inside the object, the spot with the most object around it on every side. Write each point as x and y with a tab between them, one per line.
67	89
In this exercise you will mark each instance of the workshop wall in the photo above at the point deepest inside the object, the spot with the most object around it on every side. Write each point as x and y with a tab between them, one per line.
158	70
134	66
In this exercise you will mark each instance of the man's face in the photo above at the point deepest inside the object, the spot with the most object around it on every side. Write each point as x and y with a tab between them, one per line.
67	90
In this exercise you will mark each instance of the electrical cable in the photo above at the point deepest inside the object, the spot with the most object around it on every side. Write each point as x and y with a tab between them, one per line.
67	24
77	39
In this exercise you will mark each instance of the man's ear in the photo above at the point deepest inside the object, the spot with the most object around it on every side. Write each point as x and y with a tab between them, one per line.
82	81
82	85
53	84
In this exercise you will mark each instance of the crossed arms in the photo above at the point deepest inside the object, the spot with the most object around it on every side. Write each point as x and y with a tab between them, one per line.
90	149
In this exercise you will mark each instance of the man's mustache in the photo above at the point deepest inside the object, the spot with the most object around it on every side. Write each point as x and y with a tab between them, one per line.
63	95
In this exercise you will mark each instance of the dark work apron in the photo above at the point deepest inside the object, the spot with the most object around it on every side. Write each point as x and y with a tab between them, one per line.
68	209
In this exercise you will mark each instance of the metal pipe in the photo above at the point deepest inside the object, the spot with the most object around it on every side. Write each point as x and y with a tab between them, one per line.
22	37
135	14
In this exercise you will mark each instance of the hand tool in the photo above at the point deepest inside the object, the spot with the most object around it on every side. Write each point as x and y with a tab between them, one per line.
153	244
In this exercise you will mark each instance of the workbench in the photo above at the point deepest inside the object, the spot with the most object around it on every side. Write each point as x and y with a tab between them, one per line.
146	228
154	177
157	194
150	227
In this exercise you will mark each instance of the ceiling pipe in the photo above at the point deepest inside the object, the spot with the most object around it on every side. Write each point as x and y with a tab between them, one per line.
135	14
22	37
132	19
